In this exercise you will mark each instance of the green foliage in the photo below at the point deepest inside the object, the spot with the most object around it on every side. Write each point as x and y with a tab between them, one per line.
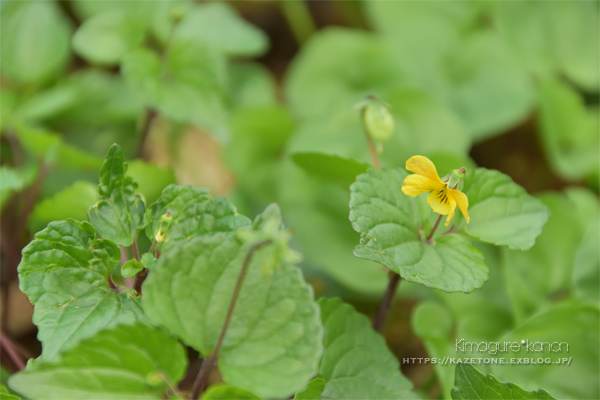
6	395
64	271
356	363
40	28
331	168
119	214
472	384
275	322
128	361
501	211
224	392
389	223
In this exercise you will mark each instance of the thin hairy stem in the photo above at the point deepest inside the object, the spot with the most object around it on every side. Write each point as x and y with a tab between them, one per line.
437	223
386	302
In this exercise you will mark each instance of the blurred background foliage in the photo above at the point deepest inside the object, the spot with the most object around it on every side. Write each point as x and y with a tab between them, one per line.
231	95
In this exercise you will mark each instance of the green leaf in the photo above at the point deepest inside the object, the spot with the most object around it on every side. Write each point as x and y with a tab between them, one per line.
131	267
6	395
356	363
572	324
148	260
251	85
218	25
194	213
119	214
554	38
47	103
41	29
41	143
318	83
313	391
64	273
501	211
107	37
71	202
569	132
188	85
389	223
330	167
124	362
273	343
472	384
224	392
11	182
151	179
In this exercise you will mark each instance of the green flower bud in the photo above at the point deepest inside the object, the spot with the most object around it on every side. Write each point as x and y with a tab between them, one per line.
161	231
377	119
456	178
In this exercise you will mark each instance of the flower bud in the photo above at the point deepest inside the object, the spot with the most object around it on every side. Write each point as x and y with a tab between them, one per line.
160	233
377	119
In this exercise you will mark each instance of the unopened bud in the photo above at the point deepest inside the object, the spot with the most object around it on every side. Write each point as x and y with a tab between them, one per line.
456	178
378	120
166	221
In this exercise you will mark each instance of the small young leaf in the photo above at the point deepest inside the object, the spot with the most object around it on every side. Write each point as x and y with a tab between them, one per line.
218	25
356	363
330	167
224	392
472	385
131	267
313	391
501	211
388	222
119	215
6	395
107	37
148	260
124	362
275	322
194	213
64	273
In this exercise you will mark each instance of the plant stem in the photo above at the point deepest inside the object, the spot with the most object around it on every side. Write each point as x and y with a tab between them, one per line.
208	362
11	350
372	149
386	302
437	223
298	18
149	117
134	250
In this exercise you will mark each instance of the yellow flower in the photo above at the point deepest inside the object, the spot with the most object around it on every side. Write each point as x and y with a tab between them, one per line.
442	200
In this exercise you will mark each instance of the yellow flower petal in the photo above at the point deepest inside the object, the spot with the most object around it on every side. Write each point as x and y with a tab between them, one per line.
423	166
441	202
450	216
463	202
415	185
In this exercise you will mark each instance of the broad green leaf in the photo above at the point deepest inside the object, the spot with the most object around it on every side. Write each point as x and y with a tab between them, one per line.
151	179
318	83
490	89
313	391
218	25
572	324
418	120
64	273
188	85
472	384
131	267
224	392
251	85
356	363
389	223
35	41
71	202
119	214
330	167
40	143
554	38
47	103
586	271
86	9
107	37
568	131
194	213
273	343
124	362
501	211
6	395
